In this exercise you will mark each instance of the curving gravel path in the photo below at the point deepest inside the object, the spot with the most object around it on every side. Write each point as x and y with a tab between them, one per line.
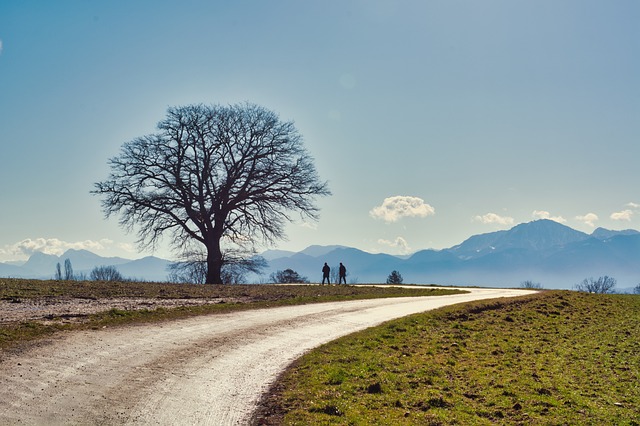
207	370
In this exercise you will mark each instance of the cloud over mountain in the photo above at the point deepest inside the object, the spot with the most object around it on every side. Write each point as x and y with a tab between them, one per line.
51	246
542	214
399	206
622	215
493	218
399	244
588	219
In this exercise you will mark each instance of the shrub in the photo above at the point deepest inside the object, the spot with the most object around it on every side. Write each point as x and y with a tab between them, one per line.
530	285
288	276
602	285
394	278
106	273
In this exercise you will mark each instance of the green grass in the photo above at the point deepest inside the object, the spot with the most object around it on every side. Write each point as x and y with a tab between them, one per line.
554	358
11	288
241	297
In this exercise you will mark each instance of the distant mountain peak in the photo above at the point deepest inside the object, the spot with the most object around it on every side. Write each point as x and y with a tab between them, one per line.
317	250
540	234
276	254
43	266
603	234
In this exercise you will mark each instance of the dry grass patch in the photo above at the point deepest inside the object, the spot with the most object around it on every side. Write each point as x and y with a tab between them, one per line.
30	309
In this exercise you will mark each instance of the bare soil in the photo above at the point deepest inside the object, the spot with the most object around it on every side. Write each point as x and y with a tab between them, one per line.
73	309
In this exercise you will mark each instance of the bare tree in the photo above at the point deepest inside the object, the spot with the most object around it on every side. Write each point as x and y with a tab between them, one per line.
288	276
529	284
106	273
58	272
335	274
602	285
68	270
218	177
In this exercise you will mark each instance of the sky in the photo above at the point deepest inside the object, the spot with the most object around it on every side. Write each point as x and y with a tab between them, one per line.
432	121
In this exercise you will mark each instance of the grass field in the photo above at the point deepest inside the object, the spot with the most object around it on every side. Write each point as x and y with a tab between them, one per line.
555	358
223	298
22	288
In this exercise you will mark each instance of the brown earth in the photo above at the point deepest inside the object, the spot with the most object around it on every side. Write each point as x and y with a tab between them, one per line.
72	309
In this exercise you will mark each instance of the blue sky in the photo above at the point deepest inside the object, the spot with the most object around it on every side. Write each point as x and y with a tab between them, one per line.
431	120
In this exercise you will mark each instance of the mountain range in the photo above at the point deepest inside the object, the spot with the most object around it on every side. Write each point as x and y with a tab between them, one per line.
542	251
43	266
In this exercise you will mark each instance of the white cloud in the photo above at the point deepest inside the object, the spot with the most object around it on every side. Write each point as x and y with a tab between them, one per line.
623	215
127	247
541	214
0	47
54	246
309	225
588	219
633	205
399	206
399	243
490	218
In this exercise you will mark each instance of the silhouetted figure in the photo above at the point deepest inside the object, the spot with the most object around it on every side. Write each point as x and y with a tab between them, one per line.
325	273
343	274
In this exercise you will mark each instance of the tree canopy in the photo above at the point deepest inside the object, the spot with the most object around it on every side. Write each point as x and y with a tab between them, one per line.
217	179
394	278
602	285
288	276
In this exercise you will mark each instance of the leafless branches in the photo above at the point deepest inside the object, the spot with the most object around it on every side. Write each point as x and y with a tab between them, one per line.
222	176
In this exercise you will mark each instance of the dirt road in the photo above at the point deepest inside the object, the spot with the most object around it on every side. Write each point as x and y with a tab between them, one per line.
205	370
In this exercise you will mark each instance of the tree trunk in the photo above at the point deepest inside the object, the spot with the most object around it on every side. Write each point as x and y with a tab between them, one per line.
214	262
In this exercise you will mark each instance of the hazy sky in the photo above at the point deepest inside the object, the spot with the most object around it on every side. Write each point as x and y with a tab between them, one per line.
431	120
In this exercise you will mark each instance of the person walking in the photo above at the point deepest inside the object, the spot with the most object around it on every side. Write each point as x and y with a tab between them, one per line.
325	273
343	274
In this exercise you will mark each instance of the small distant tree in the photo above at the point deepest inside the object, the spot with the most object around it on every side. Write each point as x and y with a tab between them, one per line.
394	278
58	272
335	274
636	289
529	284
602	285
106	273
68	270
288	276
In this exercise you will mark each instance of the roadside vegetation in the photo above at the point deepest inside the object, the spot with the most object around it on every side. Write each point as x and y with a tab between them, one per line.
553	358
219	299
